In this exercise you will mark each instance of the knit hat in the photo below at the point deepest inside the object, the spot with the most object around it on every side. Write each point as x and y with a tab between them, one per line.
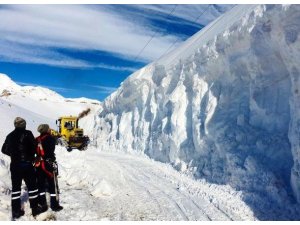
43	128
19	122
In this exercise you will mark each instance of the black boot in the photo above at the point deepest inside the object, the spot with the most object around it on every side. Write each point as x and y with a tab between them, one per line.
44	207
17	214
37	210
54	204
56	208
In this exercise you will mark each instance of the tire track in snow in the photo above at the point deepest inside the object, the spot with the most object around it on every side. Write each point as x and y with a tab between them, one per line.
137	198
153	197
183	202
222	215
137	182
212	205
208	204
187	198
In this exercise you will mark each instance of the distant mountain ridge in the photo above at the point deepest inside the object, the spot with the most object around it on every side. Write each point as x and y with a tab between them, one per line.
8	86
38	105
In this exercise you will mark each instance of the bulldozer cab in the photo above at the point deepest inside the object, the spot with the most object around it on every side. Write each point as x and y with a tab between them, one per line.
70	134
67	126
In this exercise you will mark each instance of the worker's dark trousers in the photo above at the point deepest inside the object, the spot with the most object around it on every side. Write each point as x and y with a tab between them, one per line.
46	182
20	171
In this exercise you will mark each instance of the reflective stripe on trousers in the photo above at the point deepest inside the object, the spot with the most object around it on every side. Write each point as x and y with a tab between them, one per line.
33	194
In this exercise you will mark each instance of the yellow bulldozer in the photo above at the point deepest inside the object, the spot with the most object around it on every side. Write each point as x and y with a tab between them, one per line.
69	134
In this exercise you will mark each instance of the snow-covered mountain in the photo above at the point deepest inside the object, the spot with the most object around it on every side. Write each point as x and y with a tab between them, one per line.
224	106
9	87
42	104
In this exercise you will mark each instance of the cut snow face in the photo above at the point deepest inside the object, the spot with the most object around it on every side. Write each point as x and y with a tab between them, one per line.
224	106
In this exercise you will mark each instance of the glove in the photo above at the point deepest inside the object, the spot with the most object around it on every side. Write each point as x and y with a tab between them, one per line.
37	161
52	165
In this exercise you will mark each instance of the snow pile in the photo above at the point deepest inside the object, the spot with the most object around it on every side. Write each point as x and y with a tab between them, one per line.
224	106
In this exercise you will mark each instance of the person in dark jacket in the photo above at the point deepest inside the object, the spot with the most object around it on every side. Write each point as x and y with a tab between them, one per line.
47	170
20	145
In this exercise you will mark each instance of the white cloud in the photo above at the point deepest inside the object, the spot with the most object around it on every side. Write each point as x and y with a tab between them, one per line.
110	67
39	55
19	53
103	89
31	33
62	89
99	88
202	14
78	27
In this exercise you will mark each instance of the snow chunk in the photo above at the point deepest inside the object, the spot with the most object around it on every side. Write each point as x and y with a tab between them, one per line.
102	189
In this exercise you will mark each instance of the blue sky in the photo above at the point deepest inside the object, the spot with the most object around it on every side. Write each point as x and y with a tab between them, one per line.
88	50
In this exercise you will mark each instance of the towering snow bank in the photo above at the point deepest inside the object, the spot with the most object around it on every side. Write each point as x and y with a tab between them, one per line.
223	106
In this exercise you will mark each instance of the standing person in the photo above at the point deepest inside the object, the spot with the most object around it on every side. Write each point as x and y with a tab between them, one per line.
20	145
47	169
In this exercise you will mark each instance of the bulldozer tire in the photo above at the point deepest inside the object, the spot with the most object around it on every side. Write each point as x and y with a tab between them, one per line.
58	141
62	142
83	147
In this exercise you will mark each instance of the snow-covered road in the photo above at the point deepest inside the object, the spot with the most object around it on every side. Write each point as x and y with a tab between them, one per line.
99	185
126	187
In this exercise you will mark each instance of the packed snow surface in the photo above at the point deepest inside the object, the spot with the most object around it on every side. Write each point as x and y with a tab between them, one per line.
105	186
224	106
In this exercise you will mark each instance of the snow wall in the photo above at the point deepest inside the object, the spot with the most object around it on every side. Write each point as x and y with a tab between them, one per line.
224	106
